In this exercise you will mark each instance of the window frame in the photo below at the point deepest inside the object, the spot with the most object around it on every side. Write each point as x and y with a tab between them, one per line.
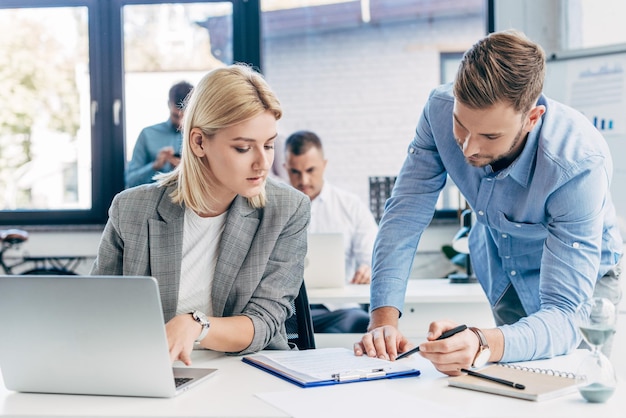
106	74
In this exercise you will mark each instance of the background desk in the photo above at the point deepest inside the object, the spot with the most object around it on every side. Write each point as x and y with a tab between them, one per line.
232	393
426	300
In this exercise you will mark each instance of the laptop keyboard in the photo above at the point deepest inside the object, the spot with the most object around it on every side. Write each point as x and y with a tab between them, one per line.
181	380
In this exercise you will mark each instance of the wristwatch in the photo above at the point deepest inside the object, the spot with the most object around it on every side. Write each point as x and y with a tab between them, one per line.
484	352
201	319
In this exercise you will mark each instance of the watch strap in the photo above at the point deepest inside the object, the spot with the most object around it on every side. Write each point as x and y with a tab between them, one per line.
482	340
483	352
202	319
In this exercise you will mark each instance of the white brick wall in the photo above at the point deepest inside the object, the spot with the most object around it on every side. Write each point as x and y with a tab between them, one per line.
362	90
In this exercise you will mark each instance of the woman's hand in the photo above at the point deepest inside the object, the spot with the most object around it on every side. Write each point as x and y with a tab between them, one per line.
182	331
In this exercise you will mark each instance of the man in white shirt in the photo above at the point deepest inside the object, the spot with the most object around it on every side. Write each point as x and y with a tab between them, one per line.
333	210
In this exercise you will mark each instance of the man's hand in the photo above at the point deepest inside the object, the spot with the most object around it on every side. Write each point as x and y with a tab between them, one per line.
166	154
182	331
383	342
452	354
174	161
362	275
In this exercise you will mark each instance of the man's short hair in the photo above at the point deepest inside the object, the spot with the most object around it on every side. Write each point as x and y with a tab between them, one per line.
503	67
178	93
300	142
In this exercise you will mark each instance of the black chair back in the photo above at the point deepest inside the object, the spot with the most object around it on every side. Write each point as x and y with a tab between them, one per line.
300	325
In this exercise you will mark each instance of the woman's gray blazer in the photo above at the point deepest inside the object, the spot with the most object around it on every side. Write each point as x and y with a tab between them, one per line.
260	263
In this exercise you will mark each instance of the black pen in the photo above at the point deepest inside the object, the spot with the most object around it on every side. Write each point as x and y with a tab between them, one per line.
495	379
449	333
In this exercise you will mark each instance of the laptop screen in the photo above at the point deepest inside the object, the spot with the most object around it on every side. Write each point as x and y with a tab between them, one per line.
325	261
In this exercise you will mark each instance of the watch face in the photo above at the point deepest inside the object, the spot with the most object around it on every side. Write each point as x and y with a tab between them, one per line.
201	318
482	358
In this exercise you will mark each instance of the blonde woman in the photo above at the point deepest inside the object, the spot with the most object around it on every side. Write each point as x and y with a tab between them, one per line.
225	243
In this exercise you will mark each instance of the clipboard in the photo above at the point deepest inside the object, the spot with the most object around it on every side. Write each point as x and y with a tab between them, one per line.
328	366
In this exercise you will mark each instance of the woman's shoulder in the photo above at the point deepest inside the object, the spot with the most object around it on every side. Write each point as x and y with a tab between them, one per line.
278	188
145	198
142	193
281	194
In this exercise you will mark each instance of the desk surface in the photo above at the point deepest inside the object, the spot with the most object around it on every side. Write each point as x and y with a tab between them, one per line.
233	393
418	291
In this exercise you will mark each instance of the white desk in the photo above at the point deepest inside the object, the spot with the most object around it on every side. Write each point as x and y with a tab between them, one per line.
232	393
426	300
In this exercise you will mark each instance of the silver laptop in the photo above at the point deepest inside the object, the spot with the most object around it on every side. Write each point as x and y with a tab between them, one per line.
97	335
325	261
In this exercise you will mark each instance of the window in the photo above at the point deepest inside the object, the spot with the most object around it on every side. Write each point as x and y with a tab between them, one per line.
585	17
79	82
84	76
45	117
165	44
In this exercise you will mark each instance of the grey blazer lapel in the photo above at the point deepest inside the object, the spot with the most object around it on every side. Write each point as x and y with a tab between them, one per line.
166	246
240	229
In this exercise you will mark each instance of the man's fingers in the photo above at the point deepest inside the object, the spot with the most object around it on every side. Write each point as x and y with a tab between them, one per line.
366	345
381	341
358	349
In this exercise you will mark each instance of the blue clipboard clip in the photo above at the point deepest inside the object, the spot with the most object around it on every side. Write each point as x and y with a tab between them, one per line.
358	375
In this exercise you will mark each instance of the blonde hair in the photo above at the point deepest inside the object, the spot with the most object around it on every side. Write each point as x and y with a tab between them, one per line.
224	97
502	67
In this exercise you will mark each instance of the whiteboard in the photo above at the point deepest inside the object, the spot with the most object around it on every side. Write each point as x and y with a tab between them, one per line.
593	81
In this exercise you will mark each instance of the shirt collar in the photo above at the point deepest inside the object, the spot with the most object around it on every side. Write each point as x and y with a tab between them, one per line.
324	193
171	126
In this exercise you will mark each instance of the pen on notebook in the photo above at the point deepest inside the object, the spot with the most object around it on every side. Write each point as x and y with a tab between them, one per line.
494	379
449	333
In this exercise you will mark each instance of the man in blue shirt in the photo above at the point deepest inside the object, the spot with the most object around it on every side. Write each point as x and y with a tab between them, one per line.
158	147
537	175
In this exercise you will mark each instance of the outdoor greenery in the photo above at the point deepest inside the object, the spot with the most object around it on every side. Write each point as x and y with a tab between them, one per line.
38	90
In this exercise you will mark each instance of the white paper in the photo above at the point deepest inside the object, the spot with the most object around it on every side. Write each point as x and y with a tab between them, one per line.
368	400
325	363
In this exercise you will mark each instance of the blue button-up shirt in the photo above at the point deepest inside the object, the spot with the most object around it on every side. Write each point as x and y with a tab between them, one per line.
545	225
150	141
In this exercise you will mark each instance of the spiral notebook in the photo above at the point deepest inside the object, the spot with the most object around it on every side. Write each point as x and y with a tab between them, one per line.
540	384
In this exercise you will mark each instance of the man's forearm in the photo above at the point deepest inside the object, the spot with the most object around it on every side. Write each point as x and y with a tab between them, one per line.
385	315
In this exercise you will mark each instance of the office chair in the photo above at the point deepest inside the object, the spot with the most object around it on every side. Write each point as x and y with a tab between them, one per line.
300	325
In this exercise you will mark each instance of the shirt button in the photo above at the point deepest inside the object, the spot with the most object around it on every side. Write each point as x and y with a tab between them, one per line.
481	213
576	245
507	256
411	150
505	236
513	272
